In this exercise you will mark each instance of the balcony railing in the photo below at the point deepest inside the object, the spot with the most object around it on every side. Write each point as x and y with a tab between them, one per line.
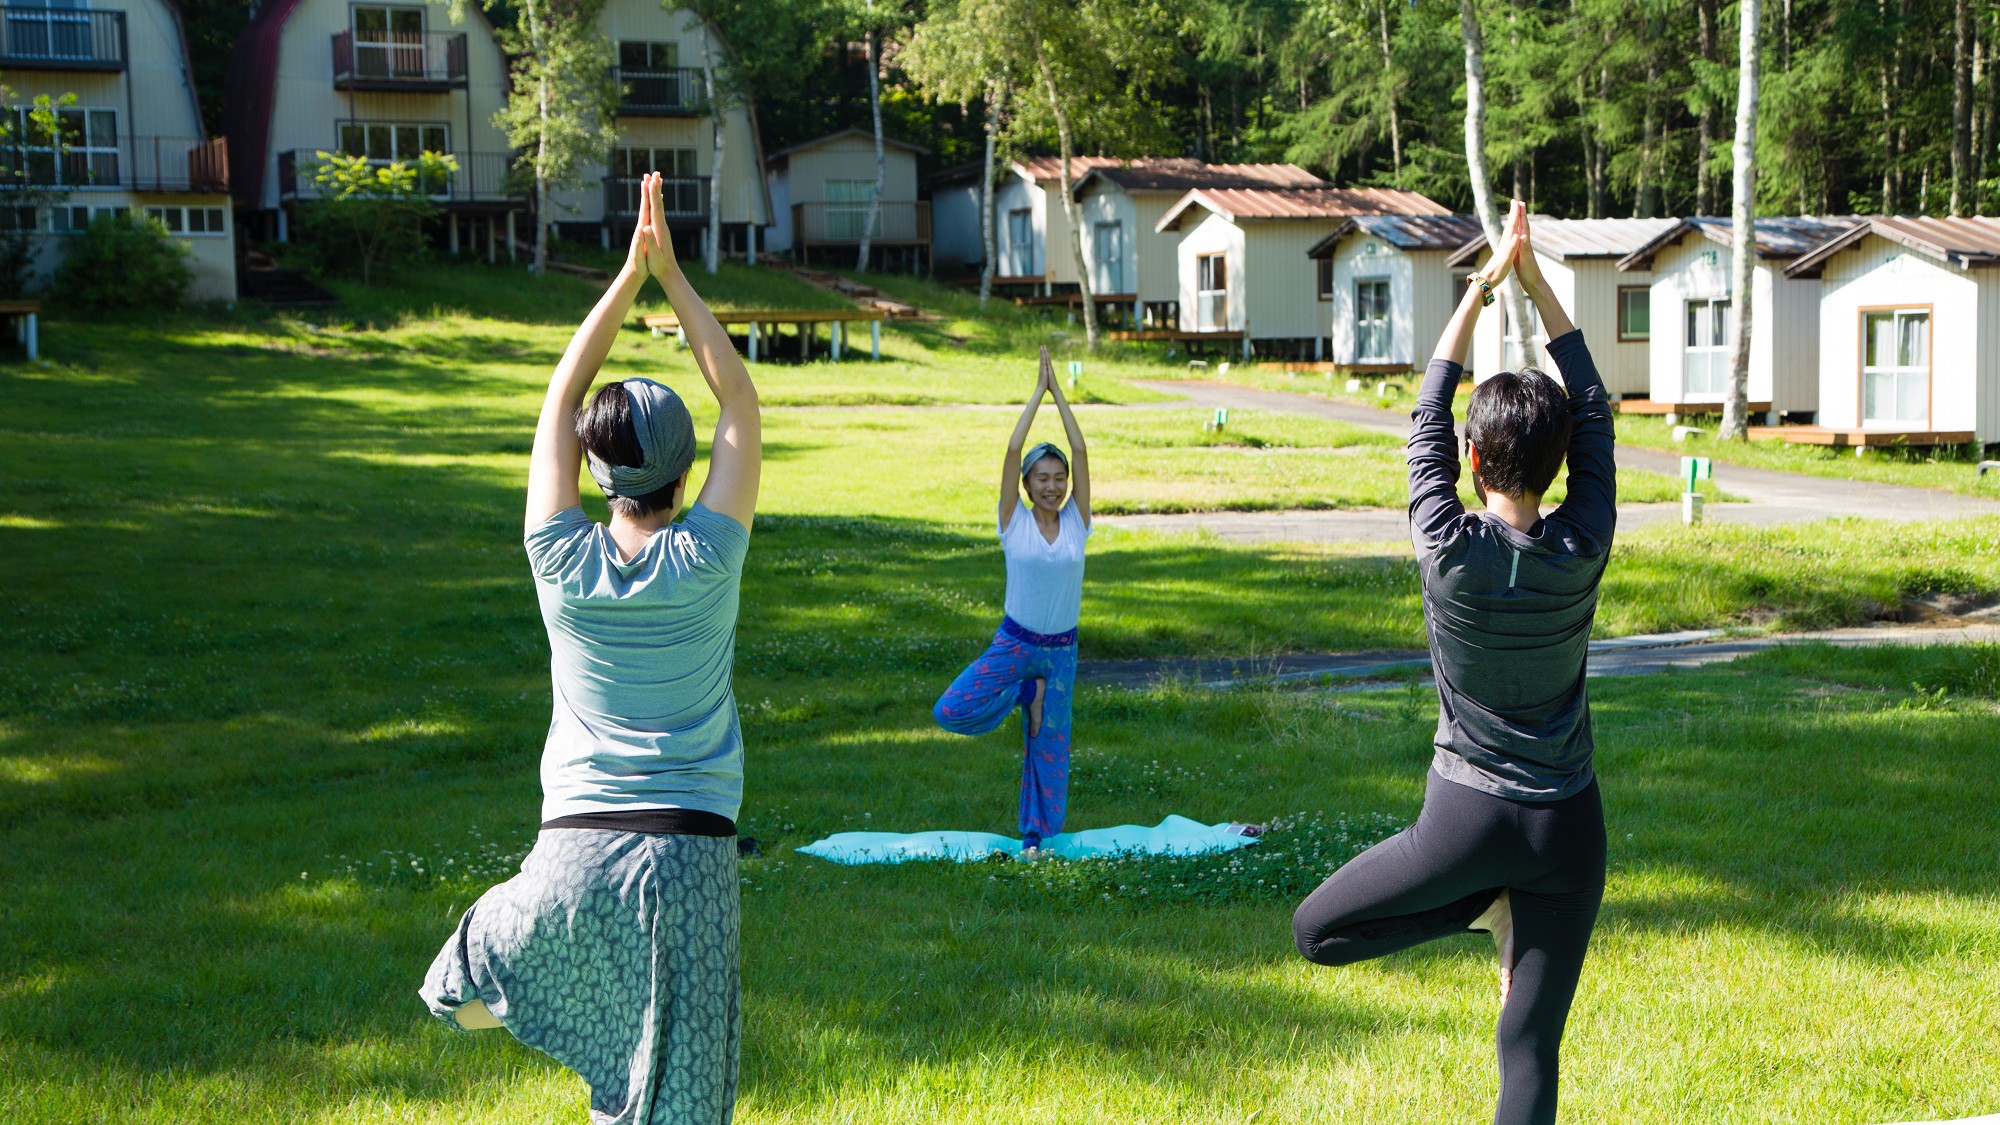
898	222
685	198
61	39
430	62
137	163
673	91
482	177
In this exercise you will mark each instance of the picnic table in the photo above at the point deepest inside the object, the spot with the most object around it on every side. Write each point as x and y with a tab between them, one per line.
837	321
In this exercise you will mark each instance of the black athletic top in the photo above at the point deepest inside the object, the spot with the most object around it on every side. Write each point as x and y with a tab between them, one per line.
656	822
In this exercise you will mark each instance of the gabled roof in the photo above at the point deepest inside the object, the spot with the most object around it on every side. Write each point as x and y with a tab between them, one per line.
1404	232
1578	238
779	156
1964	243
1237	204
1778	237
1179	173
1050	167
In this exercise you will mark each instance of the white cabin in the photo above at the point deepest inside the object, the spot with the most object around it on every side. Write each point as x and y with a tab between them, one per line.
1611	306
1693	319
1909	329
136	139
1384	283
820	192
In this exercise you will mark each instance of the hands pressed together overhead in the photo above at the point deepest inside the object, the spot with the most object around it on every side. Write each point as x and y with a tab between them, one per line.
652	253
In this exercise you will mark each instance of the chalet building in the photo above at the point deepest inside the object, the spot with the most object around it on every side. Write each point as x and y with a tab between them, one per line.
1610	303
387	81
666	124
820	192
1031	231
1386	289
1909	332
133	140
1243	269
1692	321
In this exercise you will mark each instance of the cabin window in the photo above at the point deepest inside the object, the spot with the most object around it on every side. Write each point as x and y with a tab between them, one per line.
386	142
650	77
1705	362
388	42
1107	241
847	210
51	29
681	193
1211	296
88	139
1895	366
205	221
1371	320
74	220
634	55
1635	313
1518	352
1326	279
1021	243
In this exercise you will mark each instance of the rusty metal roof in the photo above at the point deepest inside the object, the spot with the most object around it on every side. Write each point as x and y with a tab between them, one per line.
1964	243
1782	237
1578	238
1181	174
1404	232
1301	203
1050	167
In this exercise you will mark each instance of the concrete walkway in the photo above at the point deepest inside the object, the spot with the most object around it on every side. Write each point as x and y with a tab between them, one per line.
1619	656
1769	496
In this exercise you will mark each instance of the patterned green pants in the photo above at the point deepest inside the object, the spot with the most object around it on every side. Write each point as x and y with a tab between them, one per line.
614	953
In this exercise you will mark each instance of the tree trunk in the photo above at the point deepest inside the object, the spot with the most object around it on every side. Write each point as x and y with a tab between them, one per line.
874	108
1069	202
541	261
1395	94
717	118
1961	108
1743	216
1475	163
1704	196
994	92
1642	196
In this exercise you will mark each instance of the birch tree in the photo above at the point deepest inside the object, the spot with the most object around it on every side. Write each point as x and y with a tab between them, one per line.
955	55
1743	217
718	114
1483	203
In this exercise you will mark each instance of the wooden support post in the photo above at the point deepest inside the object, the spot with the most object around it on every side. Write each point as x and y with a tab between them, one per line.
512	254
875	338
454	234
753	341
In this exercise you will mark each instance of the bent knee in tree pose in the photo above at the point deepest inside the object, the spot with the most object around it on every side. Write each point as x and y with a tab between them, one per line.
615	949
1031	663
1511	837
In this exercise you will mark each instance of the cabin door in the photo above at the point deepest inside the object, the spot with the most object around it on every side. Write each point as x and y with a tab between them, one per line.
1705	355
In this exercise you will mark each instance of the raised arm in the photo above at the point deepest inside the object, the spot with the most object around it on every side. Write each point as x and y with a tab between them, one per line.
1592	503
1433	448
557	456
1079	458
736	456
1010	471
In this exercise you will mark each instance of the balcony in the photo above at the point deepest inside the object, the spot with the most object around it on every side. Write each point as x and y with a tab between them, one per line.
135	164
899	223
429	62
61	39
685	198
674	91
482	178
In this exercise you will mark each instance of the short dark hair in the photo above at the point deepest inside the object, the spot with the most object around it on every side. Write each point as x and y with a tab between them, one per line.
604	426
1520	423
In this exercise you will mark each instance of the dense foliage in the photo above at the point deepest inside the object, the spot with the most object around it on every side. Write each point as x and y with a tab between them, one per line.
123	260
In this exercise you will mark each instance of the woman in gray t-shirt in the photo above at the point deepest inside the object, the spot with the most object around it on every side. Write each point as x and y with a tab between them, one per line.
615	949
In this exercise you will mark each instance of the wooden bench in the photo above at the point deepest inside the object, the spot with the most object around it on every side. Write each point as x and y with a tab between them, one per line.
838	319
26	316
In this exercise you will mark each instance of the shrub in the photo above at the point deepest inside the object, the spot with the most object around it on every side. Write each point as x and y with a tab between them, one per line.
124	260
369	216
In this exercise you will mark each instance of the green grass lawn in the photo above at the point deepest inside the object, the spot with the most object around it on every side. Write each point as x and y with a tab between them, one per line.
273	688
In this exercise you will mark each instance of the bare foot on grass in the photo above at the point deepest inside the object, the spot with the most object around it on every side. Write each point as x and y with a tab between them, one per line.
1498	919
1035	707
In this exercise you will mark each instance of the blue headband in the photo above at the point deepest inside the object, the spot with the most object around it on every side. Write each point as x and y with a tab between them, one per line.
666	443
1046	449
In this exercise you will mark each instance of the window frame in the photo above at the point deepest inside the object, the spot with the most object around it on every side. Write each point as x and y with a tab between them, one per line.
1021	241
77	149
1720	348
1623	336
181	228
1386	321
1098	261
1861	315
1204	322
1325	273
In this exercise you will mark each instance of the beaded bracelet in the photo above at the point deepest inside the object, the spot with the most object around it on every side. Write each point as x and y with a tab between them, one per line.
1485	290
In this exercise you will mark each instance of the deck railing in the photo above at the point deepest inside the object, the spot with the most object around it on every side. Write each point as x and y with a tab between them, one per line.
417	61
482	177
669	91
898	221
144	163
685	197
61	39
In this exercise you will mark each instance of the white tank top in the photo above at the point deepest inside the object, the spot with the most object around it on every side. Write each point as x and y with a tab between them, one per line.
1044	579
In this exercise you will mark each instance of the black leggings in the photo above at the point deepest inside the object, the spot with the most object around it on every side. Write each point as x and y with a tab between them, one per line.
1435	876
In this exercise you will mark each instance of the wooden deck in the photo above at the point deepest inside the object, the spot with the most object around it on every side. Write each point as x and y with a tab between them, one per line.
1656	406
1859	439
1175	335
758	319
1074	298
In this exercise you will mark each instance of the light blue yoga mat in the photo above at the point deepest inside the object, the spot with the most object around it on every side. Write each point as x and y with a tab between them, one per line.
1176	835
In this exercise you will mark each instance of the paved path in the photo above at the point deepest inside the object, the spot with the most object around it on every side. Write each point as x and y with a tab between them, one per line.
1769	496
1620	656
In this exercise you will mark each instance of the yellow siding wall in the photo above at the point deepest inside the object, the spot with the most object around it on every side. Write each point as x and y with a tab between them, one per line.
1283	283
1058	251
1158	252
1594	310
851	158
1108	203
1964	317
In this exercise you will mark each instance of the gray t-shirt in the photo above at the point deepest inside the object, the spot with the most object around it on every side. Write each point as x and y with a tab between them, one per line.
1509	612
640	655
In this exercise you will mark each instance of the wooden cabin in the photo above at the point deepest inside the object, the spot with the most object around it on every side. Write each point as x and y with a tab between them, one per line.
135	138
1031	232
820	193
665	124
387	81
1692	321
1386	289
1243	267
1909	332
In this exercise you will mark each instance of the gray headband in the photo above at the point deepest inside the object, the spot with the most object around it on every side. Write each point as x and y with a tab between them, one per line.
666	443
1046	449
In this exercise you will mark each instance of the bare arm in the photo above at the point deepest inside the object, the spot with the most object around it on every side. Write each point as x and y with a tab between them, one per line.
1079	458
736	455
1457	337
557	456
1010	470
1555	322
